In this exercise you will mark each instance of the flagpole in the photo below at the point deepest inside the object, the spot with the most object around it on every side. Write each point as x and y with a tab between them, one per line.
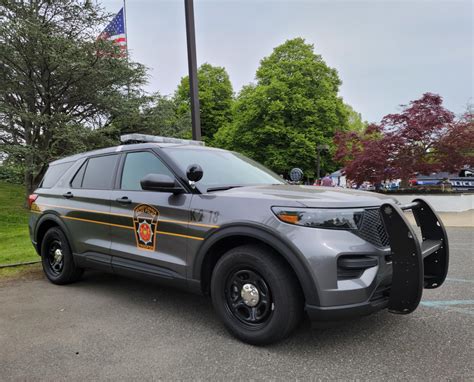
126	40
125	23
192	67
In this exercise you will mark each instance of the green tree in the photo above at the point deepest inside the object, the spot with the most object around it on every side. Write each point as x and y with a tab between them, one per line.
292	108
354	120
215	98
150	114
58	81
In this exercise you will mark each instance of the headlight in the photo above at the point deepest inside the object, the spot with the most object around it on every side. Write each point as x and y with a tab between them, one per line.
336	218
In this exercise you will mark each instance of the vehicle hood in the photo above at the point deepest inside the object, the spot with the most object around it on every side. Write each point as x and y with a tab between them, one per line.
310	196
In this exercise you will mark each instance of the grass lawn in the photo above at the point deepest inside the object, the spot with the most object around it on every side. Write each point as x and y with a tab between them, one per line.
15	244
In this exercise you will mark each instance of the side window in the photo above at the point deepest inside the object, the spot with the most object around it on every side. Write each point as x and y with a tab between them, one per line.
53	174
99	172
139	164
77	180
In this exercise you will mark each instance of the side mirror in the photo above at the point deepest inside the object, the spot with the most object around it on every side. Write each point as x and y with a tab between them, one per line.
194	173
160	183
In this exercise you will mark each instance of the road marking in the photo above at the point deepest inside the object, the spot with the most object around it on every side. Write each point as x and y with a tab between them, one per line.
459	280
451	305
448	302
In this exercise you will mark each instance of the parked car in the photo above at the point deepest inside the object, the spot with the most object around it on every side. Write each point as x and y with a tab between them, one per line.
214	222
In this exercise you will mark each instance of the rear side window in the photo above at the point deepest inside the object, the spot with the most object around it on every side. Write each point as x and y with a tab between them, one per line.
99	172
77	181
54	173
139	164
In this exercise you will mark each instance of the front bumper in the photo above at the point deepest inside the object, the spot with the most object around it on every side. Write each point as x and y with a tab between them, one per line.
343	312
402	271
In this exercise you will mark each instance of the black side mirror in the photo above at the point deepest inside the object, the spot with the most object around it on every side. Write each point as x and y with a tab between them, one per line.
194	173
160	183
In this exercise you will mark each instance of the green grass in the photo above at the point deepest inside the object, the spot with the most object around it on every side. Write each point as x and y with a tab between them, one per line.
15	244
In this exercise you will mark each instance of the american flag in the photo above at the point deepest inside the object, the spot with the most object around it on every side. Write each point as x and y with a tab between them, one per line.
115	32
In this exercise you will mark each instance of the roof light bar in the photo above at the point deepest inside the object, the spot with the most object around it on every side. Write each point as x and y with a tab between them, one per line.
144	138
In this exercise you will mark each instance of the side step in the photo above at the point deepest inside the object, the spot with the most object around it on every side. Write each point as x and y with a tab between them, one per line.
415	265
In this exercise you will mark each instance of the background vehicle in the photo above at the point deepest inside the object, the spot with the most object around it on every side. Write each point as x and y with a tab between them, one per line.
215	222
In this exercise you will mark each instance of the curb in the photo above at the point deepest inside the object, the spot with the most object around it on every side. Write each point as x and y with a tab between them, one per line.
19	264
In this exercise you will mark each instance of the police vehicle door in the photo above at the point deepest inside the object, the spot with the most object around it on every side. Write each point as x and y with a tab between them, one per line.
150	231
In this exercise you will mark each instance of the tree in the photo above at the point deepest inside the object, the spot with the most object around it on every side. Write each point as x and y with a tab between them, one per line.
215	99
418	129
292	108
367	155
423	138
456	147
354	120
57	80
155	115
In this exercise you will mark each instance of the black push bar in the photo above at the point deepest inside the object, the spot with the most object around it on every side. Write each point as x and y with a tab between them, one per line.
415	264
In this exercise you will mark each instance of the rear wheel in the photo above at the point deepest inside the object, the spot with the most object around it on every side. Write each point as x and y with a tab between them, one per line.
256	295
56	257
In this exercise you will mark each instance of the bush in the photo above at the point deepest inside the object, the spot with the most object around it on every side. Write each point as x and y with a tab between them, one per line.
11	173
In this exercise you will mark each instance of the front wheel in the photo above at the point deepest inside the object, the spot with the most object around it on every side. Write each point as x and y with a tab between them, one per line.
255	294
56	258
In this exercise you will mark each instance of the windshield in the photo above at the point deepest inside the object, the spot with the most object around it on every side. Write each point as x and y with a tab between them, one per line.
223	168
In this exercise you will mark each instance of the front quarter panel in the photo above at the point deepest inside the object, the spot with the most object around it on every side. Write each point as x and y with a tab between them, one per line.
313	253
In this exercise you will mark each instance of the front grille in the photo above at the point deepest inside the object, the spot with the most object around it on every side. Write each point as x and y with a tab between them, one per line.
371	228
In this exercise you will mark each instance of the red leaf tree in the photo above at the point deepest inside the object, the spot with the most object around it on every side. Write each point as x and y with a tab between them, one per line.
423	138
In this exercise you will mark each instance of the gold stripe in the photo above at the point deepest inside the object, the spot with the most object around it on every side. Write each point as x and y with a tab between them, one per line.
131	217
128	227
190	223
97	222
179	235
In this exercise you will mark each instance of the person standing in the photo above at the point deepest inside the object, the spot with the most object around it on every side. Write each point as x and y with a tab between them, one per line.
327	181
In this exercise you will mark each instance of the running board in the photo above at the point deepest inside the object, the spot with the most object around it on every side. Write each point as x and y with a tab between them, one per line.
415	265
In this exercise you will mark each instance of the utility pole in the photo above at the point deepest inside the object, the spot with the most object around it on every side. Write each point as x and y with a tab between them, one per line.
192	68
320	148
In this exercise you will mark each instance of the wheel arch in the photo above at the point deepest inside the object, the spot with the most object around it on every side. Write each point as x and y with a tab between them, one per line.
231	236
46	222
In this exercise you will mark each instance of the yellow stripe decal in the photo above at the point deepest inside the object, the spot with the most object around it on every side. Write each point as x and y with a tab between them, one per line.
128	227
97	222
130	216
179	235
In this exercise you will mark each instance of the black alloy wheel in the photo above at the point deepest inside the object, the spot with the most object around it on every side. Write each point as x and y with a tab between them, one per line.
256	294
248	297
56	258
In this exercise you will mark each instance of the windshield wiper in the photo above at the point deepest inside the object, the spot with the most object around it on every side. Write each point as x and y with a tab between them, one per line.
221	188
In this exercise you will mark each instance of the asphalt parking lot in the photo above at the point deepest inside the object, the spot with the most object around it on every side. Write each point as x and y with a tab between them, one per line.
106	327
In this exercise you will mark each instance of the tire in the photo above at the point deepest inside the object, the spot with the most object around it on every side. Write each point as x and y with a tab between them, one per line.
274	313
58	267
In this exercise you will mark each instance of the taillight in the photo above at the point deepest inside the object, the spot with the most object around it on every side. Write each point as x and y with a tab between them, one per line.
31	199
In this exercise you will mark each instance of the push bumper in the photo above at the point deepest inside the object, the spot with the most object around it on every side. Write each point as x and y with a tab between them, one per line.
415	264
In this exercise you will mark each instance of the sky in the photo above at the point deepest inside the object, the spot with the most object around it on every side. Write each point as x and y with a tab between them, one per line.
387	53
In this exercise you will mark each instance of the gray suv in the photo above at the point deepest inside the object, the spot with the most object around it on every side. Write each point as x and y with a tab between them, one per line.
214	222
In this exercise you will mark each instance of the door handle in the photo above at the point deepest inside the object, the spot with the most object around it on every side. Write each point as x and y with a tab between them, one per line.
68	195
124	200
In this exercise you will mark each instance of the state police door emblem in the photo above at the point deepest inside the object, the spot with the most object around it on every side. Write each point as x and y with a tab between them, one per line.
145	221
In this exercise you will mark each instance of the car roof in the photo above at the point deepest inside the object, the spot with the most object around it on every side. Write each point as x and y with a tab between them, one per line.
128	147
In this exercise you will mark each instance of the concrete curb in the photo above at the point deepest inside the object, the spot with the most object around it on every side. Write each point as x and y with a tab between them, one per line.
19	264
452	219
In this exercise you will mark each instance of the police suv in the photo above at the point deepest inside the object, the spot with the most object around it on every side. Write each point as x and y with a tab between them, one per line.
214	222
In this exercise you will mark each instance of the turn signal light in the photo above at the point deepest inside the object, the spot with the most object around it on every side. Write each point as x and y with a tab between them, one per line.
289	218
